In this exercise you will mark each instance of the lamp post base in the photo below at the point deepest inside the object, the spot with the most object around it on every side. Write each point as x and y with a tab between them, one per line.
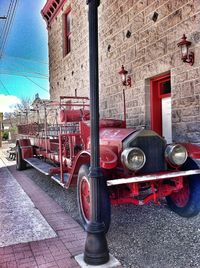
96	248
113	262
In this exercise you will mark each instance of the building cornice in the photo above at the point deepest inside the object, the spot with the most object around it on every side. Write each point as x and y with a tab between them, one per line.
51	10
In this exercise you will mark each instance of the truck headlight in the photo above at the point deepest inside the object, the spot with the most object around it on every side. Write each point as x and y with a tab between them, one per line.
133	158
176	154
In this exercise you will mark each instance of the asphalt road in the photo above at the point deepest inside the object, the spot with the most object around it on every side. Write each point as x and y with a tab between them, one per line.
148	236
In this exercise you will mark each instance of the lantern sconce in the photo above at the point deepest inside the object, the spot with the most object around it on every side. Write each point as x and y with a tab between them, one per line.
186	55
126	80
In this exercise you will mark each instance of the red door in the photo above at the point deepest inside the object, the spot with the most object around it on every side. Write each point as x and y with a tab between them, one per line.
160	92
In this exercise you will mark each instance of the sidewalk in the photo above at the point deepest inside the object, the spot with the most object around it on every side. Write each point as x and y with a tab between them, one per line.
53	252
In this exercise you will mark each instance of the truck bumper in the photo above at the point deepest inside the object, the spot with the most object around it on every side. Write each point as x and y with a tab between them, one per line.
153	177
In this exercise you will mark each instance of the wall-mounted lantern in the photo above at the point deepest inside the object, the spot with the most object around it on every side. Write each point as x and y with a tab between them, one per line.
126	80
186	55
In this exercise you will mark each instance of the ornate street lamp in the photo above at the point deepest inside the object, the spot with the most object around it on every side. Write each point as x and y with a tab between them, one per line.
186	55
126	80
96	249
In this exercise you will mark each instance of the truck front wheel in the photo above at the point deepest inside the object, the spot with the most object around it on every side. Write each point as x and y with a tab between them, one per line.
20	163
83	196
186	202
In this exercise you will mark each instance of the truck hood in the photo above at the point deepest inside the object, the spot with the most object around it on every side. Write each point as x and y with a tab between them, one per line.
114	135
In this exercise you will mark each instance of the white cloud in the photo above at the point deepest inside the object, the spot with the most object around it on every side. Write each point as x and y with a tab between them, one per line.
7	103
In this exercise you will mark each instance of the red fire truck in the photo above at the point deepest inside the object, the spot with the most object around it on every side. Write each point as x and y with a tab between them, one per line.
138	165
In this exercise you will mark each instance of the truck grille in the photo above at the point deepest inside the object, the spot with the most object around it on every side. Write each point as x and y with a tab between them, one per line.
153	146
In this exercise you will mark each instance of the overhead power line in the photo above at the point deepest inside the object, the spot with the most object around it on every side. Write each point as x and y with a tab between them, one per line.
8	24
5	24
24	67
21	74
36	84
4	87
33	81
29	80
26	59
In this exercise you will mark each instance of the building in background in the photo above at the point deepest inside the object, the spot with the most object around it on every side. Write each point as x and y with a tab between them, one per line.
142	35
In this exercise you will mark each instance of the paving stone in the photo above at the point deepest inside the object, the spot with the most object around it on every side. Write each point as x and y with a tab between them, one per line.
20	221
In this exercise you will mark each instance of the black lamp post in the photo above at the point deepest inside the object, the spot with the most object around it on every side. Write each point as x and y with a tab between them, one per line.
96	249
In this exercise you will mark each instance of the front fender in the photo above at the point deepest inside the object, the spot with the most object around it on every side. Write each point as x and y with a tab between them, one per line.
108	159
193	150
193	153
26	148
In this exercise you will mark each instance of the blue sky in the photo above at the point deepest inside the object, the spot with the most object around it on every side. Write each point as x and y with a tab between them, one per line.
25	53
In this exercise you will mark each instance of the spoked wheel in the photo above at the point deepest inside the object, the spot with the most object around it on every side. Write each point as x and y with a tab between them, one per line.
181	198
83	196
186	202
20	163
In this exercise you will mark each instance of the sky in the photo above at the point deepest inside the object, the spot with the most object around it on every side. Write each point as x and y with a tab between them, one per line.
24	62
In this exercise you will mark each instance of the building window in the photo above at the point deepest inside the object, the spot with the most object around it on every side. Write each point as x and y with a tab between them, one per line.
67	32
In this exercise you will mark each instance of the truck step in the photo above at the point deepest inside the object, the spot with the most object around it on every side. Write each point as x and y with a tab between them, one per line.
40	165
57	178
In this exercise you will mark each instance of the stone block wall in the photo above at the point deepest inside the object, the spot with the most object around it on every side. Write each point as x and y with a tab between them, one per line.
129	36
69	72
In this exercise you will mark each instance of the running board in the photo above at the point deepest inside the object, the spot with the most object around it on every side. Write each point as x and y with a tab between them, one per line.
40	165
57	178
153	177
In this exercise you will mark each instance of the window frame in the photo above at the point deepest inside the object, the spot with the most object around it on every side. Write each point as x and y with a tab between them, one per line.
67	35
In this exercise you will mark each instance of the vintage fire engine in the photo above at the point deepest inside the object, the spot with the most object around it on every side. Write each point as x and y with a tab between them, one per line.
138	165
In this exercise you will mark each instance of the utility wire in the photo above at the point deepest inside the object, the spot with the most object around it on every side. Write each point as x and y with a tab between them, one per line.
24	67
21	71
26	59
6	90
5	24
8	25
36	83
22	75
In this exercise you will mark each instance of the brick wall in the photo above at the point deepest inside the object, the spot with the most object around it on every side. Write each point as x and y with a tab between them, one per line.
150	50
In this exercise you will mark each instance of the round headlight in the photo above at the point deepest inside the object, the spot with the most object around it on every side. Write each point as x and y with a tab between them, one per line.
176	154
133	158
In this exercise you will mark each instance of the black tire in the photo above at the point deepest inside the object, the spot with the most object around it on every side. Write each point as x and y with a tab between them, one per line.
186	202
83	181
20	163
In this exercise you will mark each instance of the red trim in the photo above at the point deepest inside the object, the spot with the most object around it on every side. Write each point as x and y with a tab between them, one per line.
51	10
155	98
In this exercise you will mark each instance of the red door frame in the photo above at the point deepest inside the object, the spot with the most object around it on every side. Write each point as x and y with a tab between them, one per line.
156	101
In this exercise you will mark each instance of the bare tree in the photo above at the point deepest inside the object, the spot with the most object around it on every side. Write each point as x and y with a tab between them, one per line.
20	114
22	109
10	117
24	105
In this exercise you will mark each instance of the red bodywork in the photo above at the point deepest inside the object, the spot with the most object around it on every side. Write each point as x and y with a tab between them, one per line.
66	146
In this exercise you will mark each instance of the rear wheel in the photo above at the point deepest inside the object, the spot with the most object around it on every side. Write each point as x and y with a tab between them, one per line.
20	163
186	202
83	196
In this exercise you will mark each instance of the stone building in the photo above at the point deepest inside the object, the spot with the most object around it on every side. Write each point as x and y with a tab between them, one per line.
142	35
